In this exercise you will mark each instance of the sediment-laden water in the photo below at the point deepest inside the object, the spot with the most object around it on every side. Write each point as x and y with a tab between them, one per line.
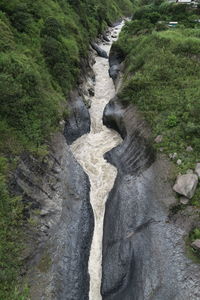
89	151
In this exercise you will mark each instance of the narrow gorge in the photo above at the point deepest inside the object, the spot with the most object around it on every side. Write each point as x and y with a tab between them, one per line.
89	151
99	120
138	248
109	233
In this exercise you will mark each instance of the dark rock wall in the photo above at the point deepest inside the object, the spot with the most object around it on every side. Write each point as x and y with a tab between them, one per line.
58	242
78	121
115	62
72	239
143	249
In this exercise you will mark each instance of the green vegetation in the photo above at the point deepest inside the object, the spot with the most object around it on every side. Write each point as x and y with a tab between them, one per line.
42	44
162	77
192	253
10	237
195	234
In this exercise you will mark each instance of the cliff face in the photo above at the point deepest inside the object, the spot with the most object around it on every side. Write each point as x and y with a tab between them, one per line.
56	195
143	247
58	244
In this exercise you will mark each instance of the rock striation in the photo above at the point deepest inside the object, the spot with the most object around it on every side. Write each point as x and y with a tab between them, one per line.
143	248
58	247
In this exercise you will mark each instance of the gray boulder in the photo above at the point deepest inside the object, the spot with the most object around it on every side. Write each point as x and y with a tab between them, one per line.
105	37
189	149
114	71
186	185
99	51
184	200
159	139
196	244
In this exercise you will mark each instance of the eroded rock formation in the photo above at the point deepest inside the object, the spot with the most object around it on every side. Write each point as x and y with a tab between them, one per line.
143	248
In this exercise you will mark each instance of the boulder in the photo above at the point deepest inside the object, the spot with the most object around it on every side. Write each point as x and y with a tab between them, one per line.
196	244
184	200
179	162
189	149
105	37
174	155
78	119
186	185
114	71
159	139
197	169
99	51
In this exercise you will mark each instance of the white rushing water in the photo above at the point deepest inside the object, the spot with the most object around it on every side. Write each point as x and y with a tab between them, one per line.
89	150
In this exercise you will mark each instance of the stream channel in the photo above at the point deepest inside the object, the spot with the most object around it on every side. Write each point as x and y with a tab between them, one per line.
89	150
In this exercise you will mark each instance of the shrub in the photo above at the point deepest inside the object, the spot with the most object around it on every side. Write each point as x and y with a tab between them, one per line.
171	120
195	234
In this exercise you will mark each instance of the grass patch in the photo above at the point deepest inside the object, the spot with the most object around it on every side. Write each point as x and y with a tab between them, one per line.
192	253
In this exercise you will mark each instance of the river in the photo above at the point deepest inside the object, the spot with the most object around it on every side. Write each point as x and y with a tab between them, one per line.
89	150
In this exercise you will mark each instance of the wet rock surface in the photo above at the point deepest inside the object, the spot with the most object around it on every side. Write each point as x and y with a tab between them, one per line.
73	237
113	117
143	248
99	51
78	120
105	37
114	71
115	60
